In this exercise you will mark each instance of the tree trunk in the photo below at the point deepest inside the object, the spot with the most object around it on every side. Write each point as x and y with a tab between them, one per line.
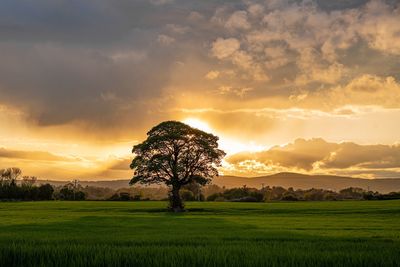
175	200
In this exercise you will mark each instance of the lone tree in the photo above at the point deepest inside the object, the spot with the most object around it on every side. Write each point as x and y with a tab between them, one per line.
176	154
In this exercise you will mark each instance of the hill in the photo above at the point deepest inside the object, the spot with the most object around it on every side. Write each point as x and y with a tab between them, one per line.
303	181
113	184
284	179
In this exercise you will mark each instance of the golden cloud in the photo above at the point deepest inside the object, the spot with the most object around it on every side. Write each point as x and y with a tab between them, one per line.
318	155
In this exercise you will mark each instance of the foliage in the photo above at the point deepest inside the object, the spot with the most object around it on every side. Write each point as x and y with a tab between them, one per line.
376	196
97	193
243	194
9	176
192	192
278	193
68	193
176	155
125	196
45	192
187	195
25	190
12	191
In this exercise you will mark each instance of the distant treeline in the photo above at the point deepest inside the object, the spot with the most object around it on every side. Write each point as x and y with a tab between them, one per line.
26	188
243	194
278	193
28	191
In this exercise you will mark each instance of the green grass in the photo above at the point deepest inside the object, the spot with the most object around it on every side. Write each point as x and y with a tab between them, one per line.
347	233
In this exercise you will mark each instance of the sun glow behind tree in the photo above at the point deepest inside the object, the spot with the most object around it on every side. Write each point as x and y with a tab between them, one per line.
230	145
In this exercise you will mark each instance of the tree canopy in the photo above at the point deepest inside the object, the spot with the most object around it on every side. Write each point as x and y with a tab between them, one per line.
9	175
176	154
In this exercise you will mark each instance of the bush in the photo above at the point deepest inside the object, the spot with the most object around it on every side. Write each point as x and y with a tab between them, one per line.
125	196
289	197
12	191
246	199
70	194
45	192
187	195
213	197
245	194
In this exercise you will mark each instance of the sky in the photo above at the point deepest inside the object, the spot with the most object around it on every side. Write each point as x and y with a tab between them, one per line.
308	86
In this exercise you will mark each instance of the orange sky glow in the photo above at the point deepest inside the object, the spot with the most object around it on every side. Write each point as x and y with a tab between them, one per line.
302	86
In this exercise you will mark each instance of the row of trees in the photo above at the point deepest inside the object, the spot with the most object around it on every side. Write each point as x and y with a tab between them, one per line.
278	193
242	194
13	188
26	189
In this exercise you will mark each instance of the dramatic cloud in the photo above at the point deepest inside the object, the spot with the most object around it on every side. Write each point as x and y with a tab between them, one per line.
309	40
363	90
317	155
71	69
238	21
223	48
87	79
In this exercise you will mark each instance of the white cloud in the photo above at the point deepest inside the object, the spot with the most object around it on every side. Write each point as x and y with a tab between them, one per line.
304	34
212	75
177	29
195	16
255	10
240	92
364	90
165	39
223	48
379	26
238	21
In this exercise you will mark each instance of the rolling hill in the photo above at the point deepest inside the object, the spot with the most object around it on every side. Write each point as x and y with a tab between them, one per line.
302	181
284	179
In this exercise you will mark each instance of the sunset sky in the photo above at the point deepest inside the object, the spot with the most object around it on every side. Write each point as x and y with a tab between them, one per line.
303	86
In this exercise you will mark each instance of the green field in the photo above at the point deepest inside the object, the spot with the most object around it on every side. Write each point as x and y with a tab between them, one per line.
347	233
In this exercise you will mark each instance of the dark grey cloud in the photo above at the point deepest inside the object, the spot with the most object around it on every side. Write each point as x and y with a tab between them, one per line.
59	84
340	4
96	62
103	62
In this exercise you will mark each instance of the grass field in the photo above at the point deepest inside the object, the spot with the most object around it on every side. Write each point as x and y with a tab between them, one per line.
363	233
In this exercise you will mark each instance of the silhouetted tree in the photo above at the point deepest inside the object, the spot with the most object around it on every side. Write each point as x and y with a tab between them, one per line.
8	183
45	192
25	189
176	154
68	193
28	181
195	189
71	191
9	175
